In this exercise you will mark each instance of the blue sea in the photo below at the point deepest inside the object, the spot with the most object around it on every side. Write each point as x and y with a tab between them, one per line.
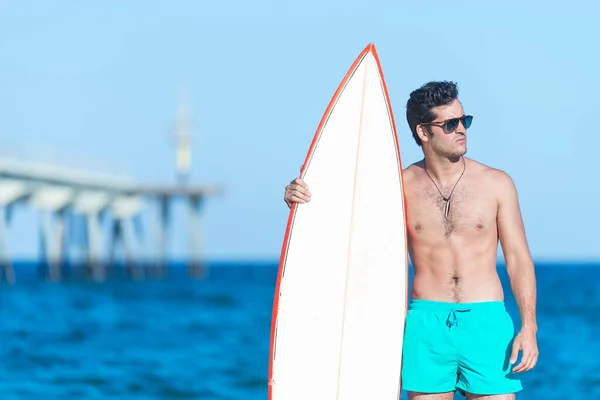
180	338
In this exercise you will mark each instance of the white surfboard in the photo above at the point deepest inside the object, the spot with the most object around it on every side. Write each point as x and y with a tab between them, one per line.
341	293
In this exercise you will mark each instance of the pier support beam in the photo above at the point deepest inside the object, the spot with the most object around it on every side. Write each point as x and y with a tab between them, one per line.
161	224
94	247
52	202
7	271
124	209
91	204
10	192
52	231
195	264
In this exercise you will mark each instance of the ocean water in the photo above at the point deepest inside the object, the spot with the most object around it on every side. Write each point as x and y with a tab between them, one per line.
178	338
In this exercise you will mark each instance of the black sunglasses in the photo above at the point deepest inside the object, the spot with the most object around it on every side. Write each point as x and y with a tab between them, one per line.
450	125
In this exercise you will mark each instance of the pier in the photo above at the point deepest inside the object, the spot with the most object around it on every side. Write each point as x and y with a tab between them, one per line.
71	205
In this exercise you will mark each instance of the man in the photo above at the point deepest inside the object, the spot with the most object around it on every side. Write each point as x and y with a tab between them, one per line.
458	335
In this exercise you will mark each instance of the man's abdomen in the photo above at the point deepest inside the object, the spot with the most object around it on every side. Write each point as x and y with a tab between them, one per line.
457	274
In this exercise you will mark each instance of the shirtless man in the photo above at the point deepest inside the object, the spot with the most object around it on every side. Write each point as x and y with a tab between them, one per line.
458	335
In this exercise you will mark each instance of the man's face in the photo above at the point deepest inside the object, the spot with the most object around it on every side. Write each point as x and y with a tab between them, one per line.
440	136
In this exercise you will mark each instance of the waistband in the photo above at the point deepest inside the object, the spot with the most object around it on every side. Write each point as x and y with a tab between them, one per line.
420	304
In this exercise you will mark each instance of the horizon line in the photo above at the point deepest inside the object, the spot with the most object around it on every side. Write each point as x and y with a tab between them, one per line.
276	261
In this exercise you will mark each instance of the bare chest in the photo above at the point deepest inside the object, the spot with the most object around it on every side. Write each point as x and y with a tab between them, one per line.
468	211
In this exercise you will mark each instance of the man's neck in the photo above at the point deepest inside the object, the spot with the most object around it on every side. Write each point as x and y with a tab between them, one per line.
443	169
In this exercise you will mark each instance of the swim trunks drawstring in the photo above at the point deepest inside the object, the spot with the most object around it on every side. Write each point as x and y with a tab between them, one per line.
452	320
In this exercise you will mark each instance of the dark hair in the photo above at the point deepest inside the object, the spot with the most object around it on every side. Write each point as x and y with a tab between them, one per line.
422	100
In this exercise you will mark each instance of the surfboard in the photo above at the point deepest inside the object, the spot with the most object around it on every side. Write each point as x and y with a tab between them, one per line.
341	290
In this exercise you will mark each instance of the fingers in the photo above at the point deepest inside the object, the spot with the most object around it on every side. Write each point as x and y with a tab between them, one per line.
534	361
299	190
528	361
296	192
522	364
515	350
300	183
298	199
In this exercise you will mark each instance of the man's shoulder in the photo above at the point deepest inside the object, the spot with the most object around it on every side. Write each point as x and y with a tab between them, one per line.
413	166
495	178
412	170
490	172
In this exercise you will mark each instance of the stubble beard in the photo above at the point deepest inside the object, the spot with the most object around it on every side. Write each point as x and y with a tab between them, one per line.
455	154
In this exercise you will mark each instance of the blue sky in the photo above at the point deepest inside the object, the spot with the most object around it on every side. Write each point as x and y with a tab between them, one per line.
99	81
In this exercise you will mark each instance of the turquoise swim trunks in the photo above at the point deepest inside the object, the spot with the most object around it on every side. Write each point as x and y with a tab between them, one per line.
458	346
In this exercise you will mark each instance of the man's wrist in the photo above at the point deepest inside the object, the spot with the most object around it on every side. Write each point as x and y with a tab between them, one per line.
529	327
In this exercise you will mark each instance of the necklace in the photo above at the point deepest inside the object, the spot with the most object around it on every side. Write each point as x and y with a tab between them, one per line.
446	199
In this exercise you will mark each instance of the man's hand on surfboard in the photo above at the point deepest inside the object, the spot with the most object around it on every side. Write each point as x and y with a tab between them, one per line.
525	341
296	192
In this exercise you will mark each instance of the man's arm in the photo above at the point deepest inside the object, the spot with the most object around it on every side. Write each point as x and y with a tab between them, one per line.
513	240
520	269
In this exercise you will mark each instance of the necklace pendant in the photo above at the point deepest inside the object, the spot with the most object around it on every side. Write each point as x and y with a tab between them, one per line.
447	208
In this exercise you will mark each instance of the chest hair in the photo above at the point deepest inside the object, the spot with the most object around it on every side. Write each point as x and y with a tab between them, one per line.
432	209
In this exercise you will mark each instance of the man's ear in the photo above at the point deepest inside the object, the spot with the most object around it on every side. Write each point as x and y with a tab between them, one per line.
423	133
